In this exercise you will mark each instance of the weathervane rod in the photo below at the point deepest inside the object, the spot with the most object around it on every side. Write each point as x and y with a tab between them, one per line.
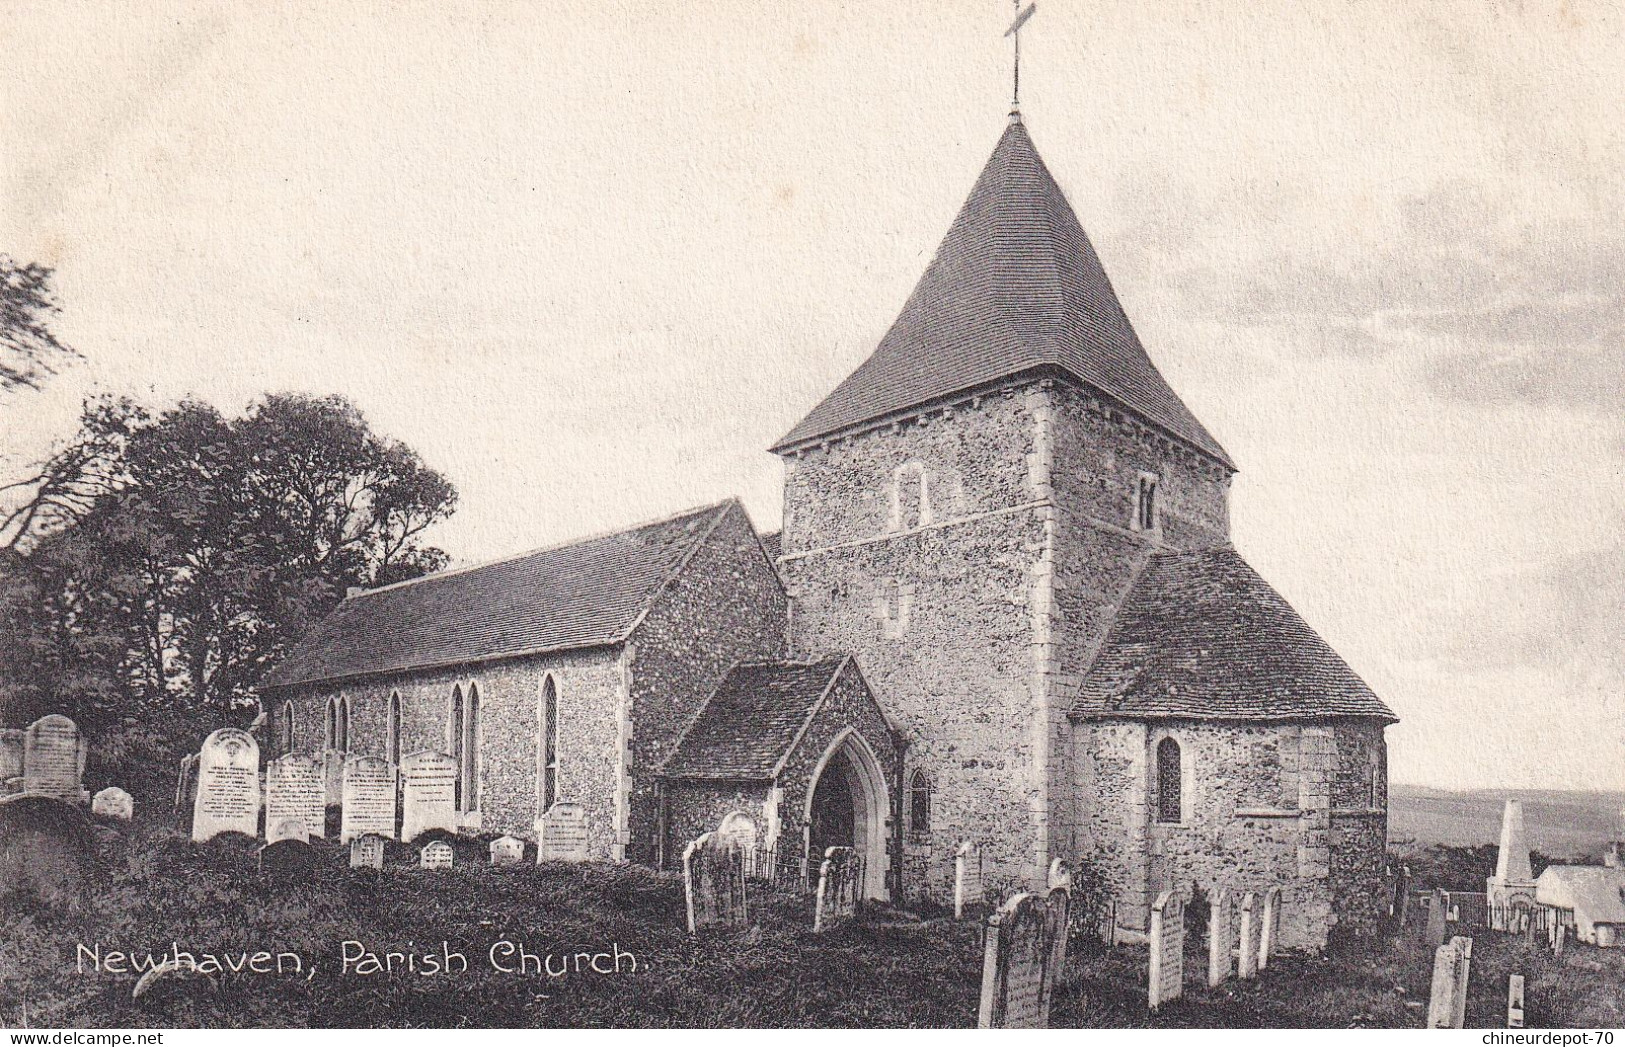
1015	32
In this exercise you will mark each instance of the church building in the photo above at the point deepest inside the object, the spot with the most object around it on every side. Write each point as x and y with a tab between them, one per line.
1003	608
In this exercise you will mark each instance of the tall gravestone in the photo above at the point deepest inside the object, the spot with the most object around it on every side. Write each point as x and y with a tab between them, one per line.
1515	1002
54	759
714	883
11	759
1464	948
333	776
1218	938
1166	980
228	785
1447	1000
967	877
1270	928
562	835
837	899
369	798
1023	954
1247	964
1438	915
428	794
295	795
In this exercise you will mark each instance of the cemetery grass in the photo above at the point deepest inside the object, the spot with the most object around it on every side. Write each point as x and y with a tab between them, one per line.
887	969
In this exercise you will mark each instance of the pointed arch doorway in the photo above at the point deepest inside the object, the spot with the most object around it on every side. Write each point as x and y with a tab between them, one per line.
847	807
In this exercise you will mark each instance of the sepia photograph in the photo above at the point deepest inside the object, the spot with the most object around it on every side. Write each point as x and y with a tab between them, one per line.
1076	514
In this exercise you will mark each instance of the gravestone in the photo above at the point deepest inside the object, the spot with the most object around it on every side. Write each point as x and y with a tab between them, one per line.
290	859
47	849
1247	966
507	850
562	835
186	783
714	883
1438	913
1515	1002
369	798
1270	927
113	802
11	757
837	899
428	794
1447	1000
280	829
1060	875
1219	942
1166	980
1560	935
1404	912
295	792
1023	953
367	852
333	777
54	759
228	786
436	854
1514	879
967	877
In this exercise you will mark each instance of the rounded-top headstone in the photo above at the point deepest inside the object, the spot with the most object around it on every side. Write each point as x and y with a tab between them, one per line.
228	786
47	849
113	802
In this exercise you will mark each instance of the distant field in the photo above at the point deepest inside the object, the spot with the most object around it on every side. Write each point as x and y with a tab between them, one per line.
1560	824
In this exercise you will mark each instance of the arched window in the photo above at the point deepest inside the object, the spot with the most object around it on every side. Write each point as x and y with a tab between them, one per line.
1378	796
911	502
471	751
1170	782
454	737
547	746
330	734
392	738
287	727
342	737
919	807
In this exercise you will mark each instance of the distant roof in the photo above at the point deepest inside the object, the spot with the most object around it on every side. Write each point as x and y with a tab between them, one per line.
752	720
1014	287
1202	635
585	594
1596	893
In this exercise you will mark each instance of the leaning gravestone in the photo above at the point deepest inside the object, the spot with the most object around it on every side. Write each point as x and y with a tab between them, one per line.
436	854
507	850
1023	954
1218	938
562	835
228	786
428	794
367	852
837	899
714	883
47	849
967	878
288	860
1167	976
54	759
1247	967
11	758
295	792
369	798
113	802
1270	928
1447	1001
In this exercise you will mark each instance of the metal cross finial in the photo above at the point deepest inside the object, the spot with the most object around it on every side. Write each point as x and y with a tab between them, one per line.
1015	31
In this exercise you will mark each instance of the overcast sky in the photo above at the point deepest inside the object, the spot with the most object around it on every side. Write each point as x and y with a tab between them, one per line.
592	259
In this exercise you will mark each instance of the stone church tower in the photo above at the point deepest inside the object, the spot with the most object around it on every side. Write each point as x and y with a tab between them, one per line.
968	513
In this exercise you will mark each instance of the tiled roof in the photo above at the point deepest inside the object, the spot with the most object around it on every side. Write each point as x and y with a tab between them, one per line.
752	720
1015	287
585	594
773	544
1596	893
1202	635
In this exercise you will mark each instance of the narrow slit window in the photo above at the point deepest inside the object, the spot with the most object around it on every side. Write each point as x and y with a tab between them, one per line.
471	751
1145	503
549	749
920	803
454	740
393	739
1170	782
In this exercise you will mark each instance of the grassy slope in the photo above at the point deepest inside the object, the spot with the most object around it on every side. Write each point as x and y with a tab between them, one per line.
1561	824
869	974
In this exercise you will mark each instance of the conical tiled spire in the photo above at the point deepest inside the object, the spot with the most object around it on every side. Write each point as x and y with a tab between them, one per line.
1015	286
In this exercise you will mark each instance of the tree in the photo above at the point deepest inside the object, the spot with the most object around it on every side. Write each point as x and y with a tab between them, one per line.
167	560
28	349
